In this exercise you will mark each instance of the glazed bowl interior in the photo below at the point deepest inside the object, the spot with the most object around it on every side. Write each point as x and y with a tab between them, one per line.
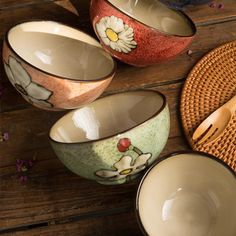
188	194
60	50
107	116
156	15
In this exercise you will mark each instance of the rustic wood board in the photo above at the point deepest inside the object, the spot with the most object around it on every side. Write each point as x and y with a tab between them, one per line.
47	204
100	226
133	78
42	195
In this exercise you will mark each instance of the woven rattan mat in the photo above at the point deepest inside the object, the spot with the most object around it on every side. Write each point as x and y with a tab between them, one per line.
210	84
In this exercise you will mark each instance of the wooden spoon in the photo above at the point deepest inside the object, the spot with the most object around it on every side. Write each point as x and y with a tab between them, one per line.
213	126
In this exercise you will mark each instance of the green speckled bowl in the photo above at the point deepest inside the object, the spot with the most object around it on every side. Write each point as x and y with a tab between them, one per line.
114	138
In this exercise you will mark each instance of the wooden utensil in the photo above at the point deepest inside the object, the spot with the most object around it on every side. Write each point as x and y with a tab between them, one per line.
213	126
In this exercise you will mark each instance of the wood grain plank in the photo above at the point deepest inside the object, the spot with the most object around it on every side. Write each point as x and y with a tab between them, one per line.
123	224
28	138
72	12
200	14
204	14
9	4
46	195
62	11
53	194
128	77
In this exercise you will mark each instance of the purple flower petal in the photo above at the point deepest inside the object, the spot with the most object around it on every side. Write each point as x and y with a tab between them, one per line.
212	5
23	178
221	6
6	136
30	163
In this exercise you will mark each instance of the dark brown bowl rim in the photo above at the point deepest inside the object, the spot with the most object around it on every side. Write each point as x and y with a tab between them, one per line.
167	156
164	105
192	25
6	39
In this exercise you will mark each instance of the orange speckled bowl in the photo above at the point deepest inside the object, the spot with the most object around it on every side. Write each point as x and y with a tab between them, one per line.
54	66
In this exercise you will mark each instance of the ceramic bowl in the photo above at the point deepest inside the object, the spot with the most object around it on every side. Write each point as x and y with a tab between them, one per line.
141	32
54	66
185	194
114	138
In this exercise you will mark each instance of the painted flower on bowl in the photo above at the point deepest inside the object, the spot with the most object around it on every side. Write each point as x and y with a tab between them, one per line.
127	165
116	34
124	167
23	83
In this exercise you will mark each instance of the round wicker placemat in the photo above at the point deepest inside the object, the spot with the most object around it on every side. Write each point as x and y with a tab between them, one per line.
210	84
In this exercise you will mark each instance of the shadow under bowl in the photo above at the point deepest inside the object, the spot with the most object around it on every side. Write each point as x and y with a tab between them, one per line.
114	138
141	32
188	193
54	66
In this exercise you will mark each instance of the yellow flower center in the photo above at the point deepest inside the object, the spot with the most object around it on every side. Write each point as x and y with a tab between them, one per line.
112	35
126	171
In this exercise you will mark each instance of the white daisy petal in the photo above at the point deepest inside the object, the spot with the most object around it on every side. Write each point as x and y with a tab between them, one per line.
125	41
9	73
107	173
40	103
107	22
124	35
142	160
123	163
133	43
106	41
113	22
19	73
137	170
113	45
123	46
38	92
119	26
101	29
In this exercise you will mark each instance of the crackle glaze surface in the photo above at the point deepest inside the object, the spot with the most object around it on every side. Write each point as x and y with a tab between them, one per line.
107	163
131	41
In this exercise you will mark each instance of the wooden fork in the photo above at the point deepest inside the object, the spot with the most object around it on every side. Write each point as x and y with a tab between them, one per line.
213	126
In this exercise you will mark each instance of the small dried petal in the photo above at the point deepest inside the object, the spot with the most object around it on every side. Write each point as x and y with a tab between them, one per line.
18	167
23	165
6	136
23	178
221	6
212	5
189	52
30	163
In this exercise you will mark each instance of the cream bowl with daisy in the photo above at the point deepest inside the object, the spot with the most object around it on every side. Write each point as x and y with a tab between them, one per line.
113	139
54	66
141	32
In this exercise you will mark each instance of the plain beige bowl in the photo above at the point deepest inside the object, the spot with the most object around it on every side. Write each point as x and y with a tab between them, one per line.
188	194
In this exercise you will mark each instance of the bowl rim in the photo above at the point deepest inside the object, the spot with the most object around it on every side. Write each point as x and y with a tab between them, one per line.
165	157
191	23
6	40
163	106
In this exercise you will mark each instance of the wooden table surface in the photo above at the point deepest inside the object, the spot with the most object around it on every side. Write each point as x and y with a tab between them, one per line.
55	201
